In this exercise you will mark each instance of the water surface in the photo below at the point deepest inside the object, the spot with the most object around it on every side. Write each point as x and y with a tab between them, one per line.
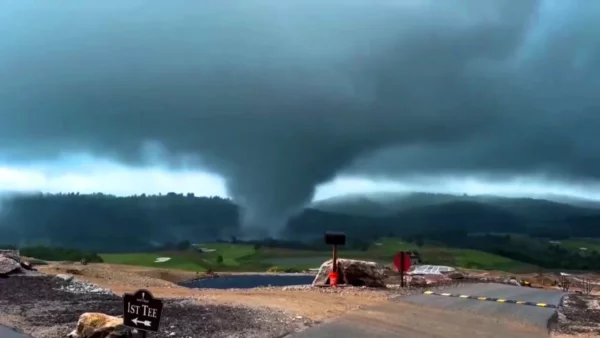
7	332
249	281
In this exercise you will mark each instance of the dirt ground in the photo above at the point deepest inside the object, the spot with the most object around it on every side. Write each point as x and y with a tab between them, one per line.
41	307
315	304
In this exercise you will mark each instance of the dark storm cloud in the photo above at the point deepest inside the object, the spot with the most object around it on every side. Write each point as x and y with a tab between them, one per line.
280	96
549	110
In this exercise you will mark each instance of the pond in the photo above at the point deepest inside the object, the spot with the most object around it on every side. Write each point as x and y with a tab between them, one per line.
249	281
6	332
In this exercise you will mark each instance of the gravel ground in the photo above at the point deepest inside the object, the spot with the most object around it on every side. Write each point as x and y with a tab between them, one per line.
47	307
579	314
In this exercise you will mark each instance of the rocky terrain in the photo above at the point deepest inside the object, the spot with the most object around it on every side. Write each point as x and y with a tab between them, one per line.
579	315
11	264
49	307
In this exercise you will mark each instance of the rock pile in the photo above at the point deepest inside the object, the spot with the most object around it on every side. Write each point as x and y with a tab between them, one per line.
352	272
10	264
81	287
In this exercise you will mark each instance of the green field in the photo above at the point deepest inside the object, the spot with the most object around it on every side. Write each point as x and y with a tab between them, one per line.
181	260
591	244
244	257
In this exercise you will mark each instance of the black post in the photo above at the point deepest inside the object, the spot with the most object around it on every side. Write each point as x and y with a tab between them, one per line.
142	334
402	269
334	264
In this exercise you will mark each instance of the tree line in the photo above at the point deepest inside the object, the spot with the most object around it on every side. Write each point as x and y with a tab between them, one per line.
106	223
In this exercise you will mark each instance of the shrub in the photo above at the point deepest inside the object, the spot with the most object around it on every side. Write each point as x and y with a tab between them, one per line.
587	286
184	245
276	269
565	283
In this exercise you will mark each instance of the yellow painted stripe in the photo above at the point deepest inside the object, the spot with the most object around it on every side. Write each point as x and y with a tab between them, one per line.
481	298
520	302
428	292
501	300
542	304
446	294
463	296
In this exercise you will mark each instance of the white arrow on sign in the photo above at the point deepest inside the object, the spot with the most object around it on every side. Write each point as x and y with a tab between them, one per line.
139	322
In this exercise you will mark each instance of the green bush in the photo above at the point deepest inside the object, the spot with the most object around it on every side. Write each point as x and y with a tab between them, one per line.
292	270
60	254
276	269
184	245
273	269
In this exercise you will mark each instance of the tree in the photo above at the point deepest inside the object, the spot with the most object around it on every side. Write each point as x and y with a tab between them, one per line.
220	259
419	241
257	247
184	245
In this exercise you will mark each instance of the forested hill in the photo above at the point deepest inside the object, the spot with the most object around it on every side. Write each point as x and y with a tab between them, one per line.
108	223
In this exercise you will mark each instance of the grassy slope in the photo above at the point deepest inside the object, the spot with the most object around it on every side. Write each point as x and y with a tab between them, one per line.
574	244
466	258
235	257
241	257
182	261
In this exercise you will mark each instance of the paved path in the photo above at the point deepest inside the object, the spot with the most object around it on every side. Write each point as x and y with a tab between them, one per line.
431	316
527	314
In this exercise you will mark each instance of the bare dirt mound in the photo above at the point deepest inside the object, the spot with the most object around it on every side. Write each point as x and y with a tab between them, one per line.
121	274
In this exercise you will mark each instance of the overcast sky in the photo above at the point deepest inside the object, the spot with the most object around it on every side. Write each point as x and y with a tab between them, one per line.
265	101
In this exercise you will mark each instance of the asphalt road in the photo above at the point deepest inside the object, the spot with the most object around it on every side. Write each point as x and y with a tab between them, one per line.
531	315
6	332
422	316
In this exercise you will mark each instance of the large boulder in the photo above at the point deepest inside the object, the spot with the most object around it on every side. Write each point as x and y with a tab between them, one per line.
8	265
352	272
100	325
14	254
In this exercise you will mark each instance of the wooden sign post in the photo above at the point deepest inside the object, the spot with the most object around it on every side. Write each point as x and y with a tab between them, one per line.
334	239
